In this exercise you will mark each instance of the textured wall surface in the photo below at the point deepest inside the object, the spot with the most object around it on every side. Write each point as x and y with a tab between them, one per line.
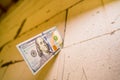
91	33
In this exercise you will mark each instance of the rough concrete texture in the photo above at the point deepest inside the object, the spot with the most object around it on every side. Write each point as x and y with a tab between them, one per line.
91	33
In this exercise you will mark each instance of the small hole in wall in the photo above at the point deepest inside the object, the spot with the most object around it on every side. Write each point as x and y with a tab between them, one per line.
112	22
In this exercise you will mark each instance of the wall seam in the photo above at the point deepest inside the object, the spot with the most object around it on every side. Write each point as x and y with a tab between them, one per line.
66	17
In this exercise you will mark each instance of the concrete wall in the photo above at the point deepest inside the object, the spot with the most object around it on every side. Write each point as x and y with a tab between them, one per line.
91	32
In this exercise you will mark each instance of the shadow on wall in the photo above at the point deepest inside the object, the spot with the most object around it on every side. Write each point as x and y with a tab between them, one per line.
46	70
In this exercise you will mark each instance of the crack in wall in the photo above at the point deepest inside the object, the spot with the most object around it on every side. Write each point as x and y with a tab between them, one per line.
98	36
84	74
3	75
52	17
1	48
20	28
17	35
65	25
75	4
63	41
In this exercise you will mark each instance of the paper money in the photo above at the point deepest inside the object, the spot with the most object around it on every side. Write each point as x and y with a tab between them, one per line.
38	50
